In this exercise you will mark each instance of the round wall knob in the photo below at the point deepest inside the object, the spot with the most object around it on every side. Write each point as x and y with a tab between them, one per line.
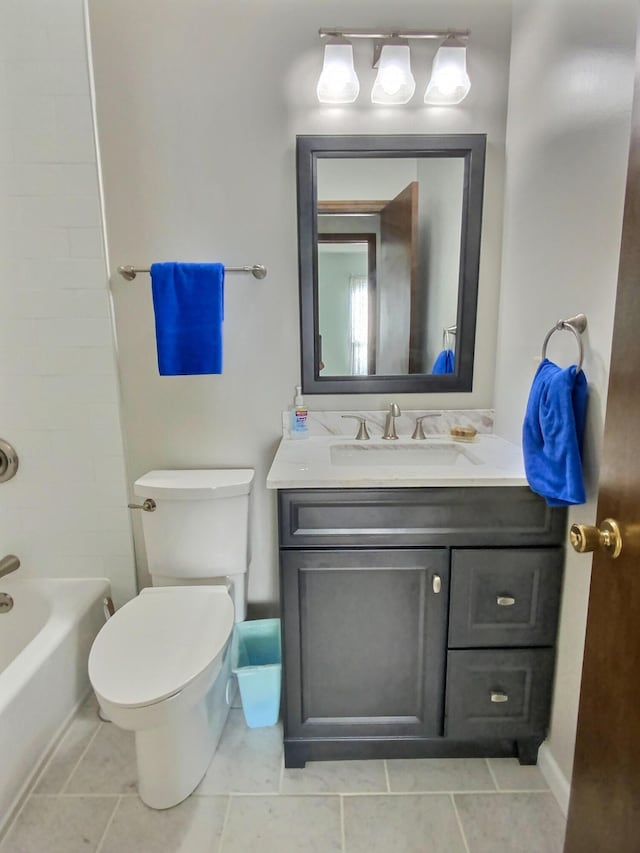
8	461
607	537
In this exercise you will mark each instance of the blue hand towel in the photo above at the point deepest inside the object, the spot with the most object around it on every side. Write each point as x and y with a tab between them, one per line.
188	301
552	434
445	362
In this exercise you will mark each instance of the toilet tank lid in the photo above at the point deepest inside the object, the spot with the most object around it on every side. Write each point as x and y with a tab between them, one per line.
196	484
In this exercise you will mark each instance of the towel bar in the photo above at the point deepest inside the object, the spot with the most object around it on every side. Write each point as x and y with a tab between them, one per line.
256	270
577	325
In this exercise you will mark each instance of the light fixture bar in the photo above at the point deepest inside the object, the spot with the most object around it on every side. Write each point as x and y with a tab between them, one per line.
355	33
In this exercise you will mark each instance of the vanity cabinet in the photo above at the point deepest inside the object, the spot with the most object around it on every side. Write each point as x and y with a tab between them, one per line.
417	622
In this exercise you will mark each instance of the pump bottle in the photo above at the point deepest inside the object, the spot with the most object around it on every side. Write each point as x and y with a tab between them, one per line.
299	416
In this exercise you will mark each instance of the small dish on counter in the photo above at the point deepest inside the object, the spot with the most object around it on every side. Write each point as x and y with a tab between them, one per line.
463	433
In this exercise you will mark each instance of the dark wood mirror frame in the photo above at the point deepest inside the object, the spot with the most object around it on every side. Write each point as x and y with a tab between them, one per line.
471	148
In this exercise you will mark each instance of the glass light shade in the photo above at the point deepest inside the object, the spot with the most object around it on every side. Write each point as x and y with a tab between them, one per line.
449	83
338	83
394	83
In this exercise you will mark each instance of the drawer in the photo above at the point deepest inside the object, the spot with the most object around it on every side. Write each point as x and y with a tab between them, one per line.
315	518
507	597
498	694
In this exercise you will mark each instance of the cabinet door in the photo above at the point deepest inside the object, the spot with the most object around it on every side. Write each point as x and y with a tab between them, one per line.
364	641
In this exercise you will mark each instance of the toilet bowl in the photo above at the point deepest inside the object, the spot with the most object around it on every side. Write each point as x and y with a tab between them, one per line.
160	667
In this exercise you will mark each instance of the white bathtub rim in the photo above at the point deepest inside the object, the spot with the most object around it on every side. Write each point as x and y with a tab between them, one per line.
21	669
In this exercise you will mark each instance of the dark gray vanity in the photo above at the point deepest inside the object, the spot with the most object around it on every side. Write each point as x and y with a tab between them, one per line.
417	622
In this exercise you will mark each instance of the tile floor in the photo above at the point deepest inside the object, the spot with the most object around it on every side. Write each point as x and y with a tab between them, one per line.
85	800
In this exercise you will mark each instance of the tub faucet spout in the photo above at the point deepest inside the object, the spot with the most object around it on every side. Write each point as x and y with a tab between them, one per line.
8	564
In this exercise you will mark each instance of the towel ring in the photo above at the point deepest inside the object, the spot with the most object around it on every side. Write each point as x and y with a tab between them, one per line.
447	334
577	325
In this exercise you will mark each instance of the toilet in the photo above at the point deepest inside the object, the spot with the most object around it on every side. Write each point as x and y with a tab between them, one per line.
160	666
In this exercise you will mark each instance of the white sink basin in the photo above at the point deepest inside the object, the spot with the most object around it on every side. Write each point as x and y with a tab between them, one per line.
438	454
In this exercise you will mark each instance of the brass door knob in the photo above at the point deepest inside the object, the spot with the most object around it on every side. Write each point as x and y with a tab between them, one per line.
606	538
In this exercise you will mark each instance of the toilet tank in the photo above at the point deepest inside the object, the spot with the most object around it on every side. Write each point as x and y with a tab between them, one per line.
200	527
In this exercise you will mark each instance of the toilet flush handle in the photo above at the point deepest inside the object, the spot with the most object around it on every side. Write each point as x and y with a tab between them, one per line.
149	505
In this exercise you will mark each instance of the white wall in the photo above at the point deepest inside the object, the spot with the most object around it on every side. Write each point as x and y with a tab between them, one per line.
64	514
374	178
567	145
442	192
199	103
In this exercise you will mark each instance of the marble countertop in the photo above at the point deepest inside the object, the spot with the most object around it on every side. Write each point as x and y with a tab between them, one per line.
334	462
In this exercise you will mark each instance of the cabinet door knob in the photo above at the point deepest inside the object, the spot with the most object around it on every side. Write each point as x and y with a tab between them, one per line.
498	697
505	601
437	583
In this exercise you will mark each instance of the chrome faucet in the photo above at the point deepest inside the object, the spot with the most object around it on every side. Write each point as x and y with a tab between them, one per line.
390	423
8	564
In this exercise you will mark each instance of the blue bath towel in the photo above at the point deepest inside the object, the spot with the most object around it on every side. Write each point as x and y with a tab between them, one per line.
552	434
445	362
188	301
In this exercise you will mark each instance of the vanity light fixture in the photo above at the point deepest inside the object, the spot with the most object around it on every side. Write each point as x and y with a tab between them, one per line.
394	83
449	83
338	83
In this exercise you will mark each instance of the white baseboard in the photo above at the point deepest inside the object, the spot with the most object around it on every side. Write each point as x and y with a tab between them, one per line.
557	781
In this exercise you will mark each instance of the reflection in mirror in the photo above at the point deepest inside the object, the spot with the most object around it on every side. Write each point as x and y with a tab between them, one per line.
347	307
416	231
389	231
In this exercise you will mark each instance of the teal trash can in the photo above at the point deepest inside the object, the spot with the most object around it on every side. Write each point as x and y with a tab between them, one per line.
257	663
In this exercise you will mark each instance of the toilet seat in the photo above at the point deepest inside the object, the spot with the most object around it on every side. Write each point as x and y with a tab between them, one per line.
160	642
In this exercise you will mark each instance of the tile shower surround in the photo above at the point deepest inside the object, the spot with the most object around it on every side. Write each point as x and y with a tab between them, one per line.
65	512
85	800
333	423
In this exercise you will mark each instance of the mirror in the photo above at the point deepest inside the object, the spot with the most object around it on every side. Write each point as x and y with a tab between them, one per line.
389	248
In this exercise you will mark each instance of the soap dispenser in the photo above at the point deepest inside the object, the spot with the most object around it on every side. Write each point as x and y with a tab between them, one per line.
299	416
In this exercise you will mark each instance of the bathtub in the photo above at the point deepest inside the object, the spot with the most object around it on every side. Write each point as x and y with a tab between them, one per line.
44	647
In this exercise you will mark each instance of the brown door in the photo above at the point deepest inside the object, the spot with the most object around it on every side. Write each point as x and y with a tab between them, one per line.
397	281
604	809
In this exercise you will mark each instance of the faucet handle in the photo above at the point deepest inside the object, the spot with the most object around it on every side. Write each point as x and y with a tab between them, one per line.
363	432
418	433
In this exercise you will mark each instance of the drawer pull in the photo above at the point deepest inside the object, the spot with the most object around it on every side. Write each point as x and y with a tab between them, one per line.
505	601
437	584
499	697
